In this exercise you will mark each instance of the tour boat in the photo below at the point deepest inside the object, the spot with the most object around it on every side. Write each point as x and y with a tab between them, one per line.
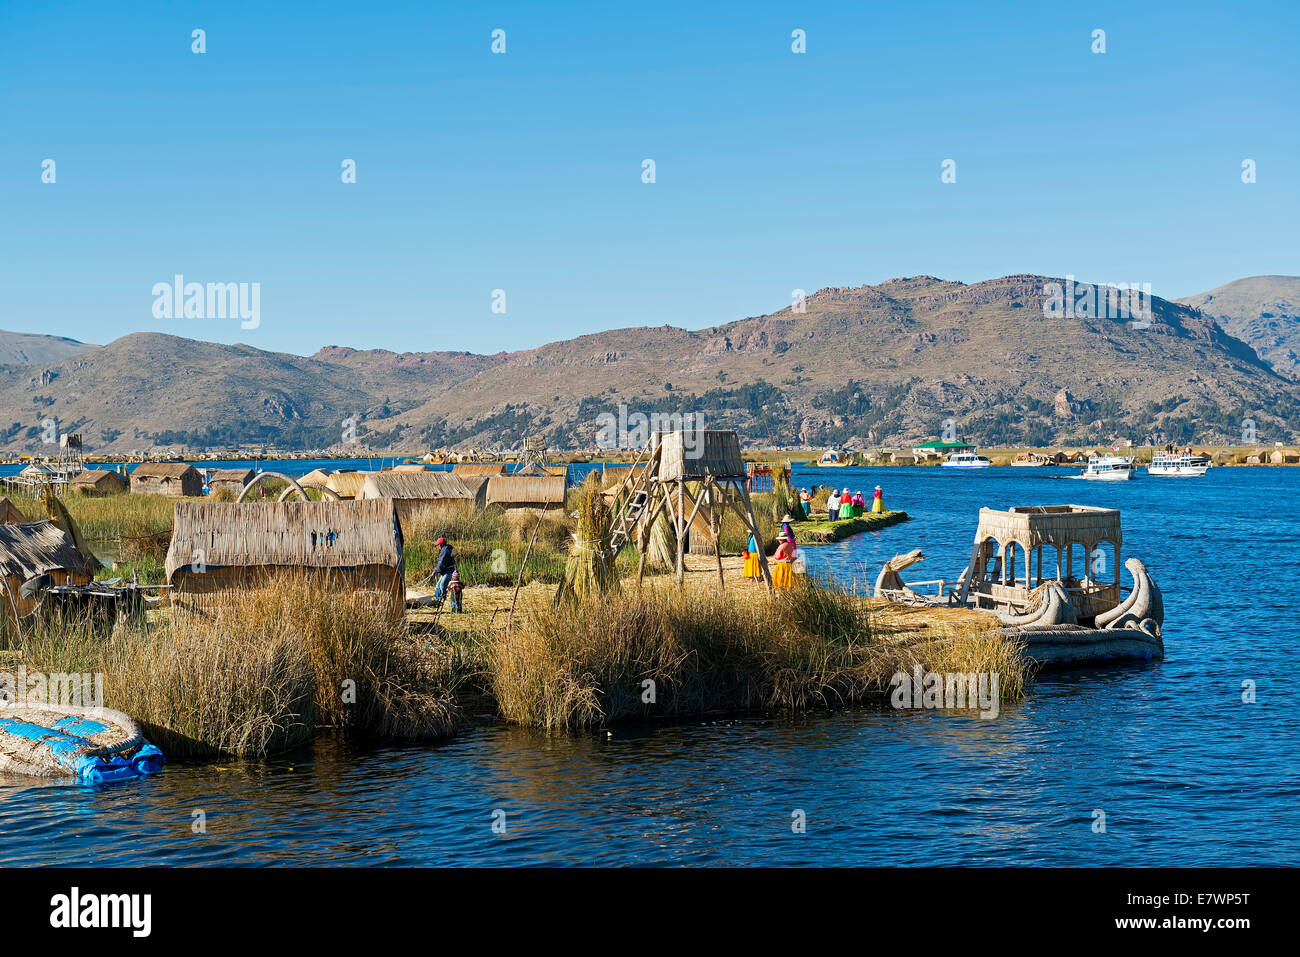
1108	468
1178	463
966	460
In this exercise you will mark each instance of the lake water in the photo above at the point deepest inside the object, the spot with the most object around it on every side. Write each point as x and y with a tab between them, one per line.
1185	773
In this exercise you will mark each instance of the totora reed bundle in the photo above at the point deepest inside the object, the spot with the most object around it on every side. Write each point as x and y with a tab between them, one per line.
590	569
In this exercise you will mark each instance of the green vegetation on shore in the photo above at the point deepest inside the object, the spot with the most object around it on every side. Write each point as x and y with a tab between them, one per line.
826	531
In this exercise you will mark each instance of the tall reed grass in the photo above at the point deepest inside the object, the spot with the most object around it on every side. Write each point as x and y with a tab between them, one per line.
261	673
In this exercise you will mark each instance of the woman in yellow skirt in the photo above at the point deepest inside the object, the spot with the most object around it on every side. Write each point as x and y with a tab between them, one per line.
783	562
752	569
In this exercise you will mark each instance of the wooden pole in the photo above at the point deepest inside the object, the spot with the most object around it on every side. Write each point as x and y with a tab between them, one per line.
753	525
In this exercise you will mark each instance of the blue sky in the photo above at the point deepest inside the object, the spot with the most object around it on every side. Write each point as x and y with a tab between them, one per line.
522	171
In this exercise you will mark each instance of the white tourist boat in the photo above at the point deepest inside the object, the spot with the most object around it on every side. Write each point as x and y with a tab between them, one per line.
1109	468
966	460
1178	463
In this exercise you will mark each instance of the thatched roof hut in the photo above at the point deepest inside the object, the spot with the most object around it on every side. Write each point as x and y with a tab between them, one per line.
346	484
525	491
166	478
10	513
231	480
479	468
697	454
417	490
34	548
97	482
319	476
222	547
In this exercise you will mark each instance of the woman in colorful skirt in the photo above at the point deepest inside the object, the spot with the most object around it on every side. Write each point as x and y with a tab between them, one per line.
783	562
878	501
859	503
752	568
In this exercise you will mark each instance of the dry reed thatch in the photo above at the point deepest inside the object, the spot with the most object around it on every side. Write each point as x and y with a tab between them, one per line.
423	485
696	455
591	568
479	468
533	491
220	547
166	478
9	512
97	482
230	480
32	548
347	484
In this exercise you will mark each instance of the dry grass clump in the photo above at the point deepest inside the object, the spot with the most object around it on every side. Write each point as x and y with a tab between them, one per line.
260	674
592	567
586	662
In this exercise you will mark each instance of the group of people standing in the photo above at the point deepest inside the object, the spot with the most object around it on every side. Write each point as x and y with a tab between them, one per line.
845	504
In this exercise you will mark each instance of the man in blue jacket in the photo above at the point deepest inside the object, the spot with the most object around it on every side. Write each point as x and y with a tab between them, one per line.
446	565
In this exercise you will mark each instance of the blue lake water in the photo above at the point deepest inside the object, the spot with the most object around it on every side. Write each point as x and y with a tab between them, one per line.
1185	772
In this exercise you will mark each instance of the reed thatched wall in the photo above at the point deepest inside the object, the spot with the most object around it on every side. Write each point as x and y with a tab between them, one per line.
696	455
9	512
166	478
232	480
97	482
479	468
346	484
218	547
525	491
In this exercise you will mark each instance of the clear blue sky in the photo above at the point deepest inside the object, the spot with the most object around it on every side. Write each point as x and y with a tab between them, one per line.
522	171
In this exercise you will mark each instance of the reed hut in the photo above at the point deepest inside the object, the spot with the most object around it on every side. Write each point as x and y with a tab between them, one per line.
414	491
525	491
230	480
479	468
166	478
37	548
97	482
9	513
221	548
346	484
318	476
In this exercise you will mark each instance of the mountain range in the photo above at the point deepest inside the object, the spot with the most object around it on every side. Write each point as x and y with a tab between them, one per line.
888	364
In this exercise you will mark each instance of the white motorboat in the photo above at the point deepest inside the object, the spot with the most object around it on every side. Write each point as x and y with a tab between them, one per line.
1109	468
1178	463
966	460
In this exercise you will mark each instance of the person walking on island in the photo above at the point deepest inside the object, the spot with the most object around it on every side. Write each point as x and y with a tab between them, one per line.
446	565
455	588
833	505
783	562
752	568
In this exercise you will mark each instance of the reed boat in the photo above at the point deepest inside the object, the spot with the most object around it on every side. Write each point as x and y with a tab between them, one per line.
1068	614
833	459
1030	460
93	745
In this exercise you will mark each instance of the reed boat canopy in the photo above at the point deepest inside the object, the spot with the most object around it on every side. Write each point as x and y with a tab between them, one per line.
1059	525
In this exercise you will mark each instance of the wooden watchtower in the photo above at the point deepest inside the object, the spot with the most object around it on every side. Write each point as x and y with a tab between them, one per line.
686	474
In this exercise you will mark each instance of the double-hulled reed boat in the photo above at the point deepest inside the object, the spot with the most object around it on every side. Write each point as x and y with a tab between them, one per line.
1066	603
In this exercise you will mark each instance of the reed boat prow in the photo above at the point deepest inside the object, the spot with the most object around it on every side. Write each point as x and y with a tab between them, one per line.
1060	618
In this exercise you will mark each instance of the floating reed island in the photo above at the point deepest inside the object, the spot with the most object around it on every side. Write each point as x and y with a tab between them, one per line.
623	598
